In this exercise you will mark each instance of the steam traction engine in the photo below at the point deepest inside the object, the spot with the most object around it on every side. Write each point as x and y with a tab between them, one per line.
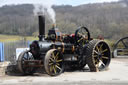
56	51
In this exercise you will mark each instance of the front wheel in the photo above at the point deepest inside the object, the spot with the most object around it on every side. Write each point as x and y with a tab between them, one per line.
98	55
54	63
22	66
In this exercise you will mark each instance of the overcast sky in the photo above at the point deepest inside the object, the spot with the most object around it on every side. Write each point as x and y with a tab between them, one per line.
78	2
51	2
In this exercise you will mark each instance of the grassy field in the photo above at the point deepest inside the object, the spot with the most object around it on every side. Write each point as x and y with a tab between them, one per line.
8	38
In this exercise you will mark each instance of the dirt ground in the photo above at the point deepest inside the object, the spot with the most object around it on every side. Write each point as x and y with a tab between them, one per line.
117	73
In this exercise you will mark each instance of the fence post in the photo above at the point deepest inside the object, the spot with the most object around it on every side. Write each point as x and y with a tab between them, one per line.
1	52
28	43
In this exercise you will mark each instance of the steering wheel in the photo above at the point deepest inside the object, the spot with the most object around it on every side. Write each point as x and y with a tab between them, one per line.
82	36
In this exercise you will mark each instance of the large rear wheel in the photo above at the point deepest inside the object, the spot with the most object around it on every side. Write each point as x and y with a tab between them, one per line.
98	55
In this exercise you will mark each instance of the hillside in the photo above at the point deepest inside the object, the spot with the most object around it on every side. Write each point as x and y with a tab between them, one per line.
107	19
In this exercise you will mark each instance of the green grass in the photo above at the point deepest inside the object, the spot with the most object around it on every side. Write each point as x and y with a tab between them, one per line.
8	38
110	43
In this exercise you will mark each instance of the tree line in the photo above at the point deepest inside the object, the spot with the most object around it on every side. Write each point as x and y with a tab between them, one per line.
107	19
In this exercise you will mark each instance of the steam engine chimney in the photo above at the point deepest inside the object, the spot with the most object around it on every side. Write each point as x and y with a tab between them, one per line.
41	27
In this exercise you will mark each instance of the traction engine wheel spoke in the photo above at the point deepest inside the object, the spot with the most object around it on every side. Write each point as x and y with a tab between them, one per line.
58	67
104	50
54	69
95	51
59	61
53	56
50	64
101	61
104	57
57	56
51	68
101	47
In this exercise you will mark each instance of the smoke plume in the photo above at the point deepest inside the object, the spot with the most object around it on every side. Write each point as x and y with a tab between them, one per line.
41	6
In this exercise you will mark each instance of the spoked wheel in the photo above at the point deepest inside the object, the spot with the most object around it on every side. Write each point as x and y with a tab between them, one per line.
98	55
53	62
82	35
121	48
122	43
23	67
